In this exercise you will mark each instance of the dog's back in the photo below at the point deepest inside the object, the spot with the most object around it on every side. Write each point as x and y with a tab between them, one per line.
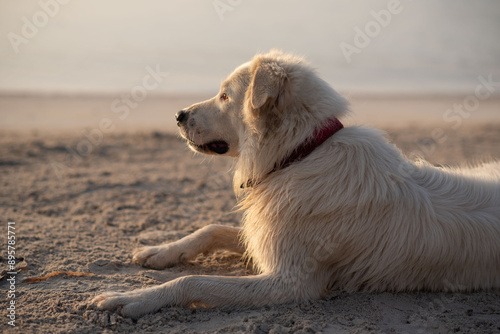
463	238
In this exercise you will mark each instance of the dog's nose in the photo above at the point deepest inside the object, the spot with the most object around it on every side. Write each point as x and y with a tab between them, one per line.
180	116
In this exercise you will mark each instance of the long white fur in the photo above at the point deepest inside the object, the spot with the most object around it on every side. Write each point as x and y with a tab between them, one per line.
354	215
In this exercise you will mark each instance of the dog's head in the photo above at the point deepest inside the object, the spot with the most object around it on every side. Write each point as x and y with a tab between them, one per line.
213	126
274	95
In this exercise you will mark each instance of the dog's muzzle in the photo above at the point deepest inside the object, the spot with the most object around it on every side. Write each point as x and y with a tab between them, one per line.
214	146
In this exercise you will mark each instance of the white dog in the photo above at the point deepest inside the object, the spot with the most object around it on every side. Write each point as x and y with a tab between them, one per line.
325	206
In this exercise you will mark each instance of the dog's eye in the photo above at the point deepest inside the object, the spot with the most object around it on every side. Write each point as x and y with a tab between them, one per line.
224	97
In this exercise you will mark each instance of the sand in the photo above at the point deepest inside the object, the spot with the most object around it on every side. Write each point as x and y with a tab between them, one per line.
141	186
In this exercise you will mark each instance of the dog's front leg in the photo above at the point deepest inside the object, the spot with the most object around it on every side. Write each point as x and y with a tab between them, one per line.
206	291
205	240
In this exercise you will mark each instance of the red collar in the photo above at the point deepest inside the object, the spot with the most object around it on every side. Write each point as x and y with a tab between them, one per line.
332	126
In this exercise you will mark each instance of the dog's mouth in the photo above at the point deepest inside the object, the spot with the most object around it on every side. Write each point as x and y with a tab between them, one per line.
216	146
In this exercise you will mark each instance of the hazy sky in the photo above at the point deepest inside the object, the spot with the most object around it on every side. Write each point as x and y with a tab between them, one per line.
107	46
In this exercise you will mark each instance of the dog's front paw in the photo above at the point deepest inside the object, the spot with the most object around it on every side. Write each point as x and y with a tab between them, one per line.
132	304
161	257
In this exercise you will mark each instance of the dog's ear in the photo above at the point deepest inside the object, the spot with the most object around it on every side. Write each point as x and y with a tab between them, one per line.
267	82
